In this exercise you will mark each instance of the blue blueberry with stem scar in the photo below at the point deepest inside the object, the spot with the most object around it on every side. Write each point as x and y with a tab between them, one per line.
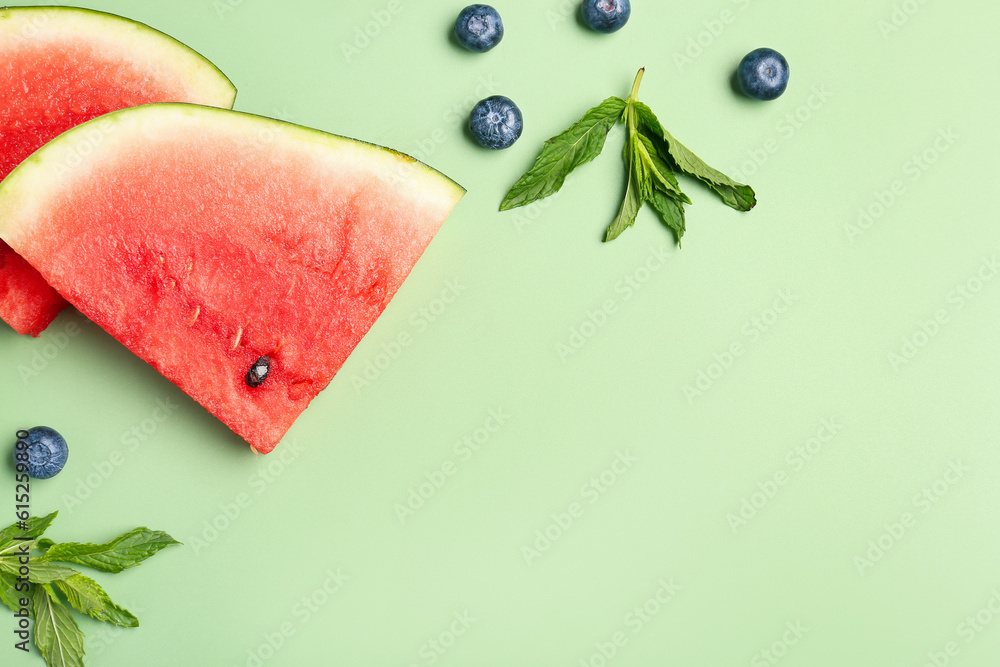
763	74
496	122
606	15
479	28
41	450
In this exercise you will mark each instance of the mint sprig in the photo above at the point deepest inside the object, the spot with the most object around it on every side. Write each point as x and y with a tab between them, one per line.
54	584
126	550
738	196
652	156
563	153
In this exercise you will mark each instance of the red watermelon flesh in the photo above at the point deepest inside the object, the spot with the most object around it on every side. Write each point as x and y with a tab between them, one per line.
27	302
204	239
62	66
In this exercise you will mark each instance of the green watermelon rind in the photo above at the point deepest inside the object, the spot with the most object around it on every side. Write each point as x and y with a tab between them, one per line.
173	48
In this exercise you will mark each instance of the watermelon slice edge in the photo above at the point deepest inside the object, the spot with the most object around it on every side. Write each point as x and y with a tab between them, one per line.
60	66
203	239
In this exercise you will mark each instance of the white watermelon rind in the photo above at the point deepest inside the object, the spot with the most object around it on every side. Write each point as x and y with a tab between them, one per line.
203	79
24	192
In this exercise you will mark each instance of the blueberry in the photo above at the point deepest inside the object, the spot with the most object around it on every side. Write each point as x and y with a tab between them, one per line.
479	28
41	451
606	15
763	74
496	122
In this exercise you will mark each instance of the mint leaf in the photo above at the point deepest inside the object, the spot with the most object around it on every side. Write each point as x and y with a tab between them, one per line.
16	548
9	594
126	550
633	198
738	196
36	526
87	596
662	175
670	210
41	572
579	144
57	635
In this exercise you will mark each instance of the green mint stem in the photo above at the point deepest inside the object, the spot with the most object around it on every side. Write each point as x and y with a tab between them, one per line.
634	95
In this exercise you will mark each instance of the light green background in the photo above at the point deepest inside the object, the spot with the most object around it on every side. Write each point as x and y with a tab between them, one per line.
869	95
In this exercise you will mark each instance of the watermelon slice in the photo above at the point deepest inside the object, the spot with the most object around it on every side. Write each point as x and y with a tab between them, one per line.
59	67
205	240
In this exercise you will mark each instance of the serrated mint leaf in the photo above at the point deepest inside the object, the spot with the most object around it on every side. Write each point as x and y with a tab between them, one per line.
9	554
9	594
42	572
643	168
126	550
579	144
737	195
86	596
670	210
57	635
662	175
36	525
630	205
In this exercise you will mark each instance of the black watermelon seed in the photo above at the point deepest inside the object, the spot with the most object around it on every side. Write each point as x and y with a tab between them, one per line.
259	372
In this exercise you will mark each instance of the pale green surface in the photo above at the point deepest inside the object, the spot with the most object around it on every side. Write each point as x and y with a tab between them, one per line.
527	278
